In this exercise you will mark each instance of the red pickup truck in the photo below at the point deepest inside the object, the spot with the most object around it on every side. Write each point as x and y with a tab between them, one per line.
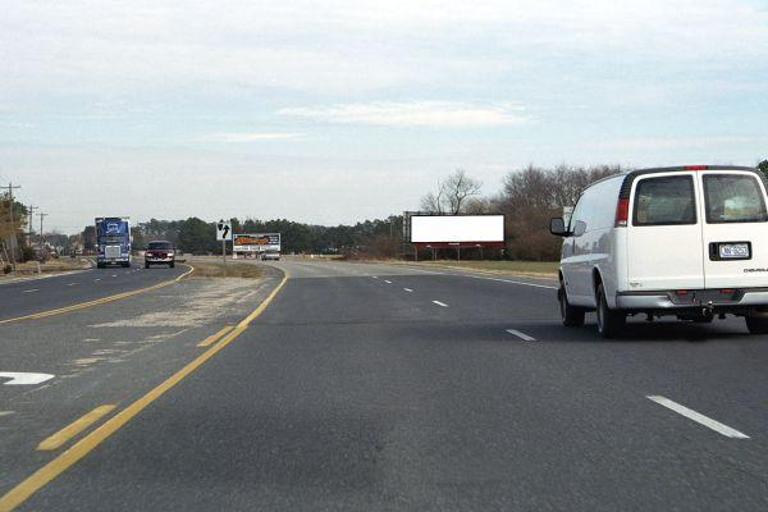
160	252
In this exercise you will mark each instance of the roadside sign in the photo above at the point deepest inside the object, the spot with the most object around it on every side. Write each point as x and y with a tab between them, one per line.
259	242
223	230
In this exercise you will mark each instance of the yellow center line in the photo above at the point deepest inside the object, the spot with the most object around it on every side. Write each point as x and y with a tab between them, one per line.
62	436
97	302
213	338
86	445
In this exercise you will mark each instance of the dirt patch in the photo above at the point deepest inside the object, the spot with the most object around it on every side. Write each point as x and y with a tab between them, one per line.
206	269
202	305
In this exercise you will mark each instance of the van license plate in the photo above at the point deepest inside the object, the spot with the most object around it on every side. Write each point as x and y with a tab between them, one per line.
734	251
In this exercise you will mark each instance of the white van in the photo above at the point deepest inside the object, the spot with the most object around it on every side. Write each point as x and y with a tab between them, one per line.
685	241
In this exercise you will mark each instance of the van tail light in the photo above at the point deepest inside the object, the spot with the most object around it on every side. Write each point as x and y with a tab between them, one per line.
622	212
696	167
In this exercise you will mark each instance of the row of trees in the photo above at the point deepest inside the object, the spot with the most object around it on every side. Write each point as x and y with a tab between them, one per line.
529	198
194	235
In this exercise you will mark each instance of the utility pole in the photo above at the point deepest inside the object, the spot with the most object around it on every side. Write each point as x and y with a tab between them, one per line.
11	187
42	239
31	210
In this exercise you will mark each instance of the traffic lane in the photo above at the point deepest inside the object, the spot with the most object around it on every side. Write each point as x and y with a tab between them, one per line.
323	406
109	355
717	367
19	299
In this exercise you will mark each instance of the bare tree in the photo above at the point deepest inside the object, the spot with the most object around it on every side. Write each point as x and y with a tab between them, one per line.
452	195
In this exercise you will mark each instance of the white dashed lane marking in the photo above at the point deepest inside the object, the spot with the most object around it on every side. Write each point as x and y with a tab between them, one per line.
441	304
521	335
33	290
699	418
408	290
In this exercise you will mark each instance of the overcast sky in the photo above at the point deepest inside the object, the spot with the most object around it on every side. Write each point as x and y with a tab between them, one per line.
354	110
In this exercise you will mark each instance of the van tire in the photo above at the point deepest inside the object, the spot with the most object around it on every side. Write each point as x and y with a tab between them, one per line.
610	322
757	324
571	316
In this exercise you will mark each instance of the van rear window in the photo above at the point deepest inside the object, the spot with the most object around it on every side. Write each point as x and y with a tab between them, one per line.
733	198
663	201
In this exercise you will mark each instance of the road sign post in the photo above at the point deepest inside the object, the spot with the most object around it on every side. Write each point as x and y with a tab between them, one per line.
223	232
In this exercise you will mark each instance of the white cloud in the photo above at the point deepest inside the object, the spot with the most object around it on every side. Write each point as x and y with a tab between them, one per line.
420	113
252	137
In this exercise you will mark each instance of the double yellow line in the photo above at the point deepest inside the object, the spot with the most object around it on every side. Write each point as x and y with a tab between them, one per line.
97	302
79	450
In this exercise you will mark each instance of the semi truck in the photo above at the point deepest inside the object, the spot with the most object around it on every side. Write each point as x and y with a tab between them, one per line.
113	241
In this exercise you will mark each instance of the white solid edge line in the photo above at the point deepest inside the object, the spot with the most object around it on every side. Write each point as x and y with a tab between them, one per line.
441	304
522	283
521	335
408	290
698	417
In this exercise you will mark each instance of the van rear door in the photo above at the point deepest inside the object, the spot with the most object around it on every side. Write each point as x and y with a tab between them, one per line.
664	234
735	230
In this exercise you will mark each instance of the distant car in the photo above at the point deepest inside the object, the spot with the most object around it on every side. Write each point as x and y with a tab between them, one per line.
160	252
273	256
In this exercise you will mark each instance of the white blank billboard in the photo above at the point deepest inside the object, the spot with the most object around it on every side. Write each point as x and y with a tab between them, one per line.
457	228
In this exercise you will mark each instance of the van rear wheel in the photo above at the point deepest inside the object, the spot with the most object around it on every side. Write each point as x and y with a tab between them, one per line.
610	322
757	324
570	315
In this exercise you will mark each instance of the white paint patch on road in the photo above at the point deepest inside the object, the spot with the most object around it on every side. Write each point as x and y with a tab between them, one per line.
25	378
72	284
97	279
698	417
33	290
441	304
388	281
114	275
408	290
375	277
521	335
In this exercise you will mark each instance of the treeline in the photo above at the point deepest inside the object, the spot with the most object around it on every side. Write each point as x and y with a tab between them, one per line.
196	236
528	198
531	197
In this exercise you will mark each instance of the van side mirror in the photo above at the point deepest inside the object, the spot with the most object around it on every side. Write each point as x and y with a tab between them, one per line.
557	227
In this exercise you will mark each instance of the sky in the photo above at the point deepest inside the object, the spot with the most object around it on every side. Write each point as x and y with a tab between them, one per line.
334	112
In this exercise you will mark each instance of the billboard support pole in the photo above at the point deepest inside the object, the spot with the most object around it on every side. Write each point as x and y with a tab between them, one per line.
224	251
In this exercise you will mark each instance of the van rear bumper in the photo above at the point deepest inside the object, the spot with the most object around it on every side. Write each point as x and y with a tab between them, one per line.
721	300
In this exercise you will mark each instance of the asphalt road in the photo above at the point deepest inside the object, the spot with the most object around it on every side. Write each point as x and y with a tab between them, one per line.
25	297
374	387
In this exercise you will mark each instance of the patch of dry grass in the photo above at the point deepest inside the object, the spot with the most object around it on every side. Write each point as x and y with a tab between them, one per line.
524	267
230	269
54	265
